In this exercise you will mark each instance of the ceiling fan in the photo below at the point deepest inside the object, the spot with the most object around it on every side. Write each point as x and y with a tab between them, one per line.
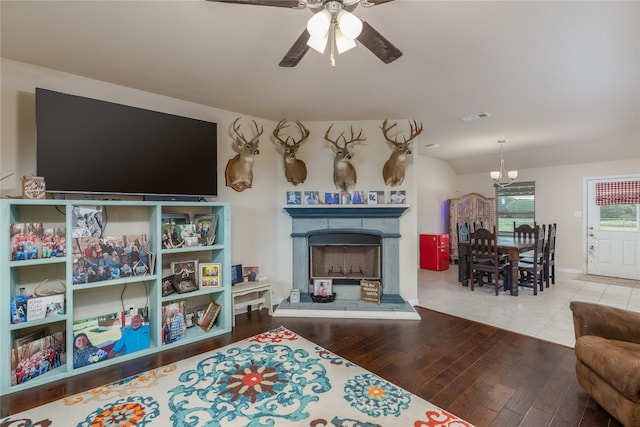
330	14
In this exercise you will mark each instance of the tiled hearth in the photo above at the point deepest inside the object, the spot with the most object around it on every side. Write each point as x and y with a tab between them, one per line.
371	220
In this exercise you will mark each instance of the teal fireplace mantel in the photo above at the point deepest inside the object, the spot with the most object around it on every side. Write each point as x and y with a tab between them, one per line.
345	211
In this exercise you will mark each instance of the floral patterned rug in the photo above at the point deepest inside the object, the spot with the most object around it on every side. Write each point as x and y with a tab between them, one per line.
277	378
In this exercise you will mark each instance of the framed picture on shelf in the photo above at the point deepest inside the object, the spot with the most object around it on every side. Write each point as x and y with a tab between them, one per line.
293	197
331	198
252	273
184	275
322	287
398	197
26	241
311	197
205	228
167	286
174	325
376	197
210	316
210	275
357	197
171	233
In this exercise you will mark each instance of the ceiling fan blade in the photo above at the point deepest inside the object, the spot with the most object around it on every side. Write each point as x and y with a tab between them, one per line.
377	44
377	2
297	51
295	4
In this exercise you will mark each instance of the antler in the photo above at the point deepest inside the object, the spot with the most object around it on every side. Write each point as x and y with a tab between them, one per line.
304	134
415	131
240	135
354	138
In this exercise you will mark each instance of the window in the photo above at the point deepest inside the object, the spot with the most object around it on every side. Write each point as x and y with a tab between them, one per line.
619	218
618	202
515	203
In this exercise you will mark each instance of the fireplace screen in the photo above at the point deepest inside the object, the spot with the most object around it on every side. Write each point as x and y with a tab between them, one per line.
351	263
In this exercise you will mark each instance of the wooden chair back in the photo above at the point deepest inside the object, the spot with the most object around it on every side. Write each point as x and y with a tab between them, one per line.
524	231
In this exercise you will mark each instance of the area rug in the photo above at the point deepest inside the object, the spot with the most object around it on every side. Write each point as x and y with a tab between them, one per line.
608	280
276	378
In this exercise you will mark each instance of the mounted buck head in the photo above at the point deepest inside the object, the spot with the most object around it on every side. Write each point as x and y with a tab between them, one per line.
294	169
239	171
344	174
393	170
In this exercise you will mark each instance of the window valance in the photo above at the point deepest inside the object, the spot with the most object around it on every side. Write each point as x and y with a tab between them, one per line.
617	193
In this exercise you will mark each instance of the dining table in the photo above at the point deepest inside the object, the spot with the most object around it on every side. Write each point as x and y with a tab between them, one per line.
510	245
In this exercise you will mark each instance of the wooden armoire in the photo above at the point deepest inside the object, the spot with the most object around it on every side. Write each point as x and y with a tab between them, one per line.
473	209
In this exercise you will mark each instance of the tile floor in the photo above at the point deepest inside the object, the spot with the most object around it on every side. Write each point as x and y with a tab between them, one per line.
546	316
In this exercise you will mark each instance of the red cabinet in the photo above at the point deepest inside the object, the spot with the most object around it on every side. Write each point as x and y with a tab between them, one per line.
434	251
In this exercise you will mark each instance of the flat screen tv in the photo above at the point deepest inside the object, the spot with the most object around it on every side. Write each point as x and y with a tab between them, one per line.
86	145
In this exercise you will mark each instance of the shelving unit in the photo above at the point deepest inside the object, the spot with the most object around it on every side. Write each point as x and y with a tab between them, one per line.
84	300
473	209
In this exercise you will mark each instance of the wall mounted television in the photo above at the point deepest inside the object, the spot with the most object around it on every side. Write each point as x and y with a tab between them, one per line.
86	145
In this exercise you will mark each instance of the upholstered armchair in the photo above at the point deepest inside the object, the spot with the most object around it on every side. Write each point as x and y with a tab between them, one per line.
608	358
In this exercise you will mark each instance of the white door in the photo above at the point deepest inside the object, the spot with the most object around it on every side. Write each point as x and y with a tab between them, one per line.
613	244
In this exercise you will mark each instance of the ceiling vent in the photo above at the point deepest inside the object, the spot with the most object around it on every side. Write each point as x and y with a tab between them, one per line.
475	117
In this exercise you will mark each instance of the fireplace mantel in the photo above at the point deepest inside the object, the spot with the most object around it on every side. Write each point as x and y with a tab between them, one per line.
378	220
345	211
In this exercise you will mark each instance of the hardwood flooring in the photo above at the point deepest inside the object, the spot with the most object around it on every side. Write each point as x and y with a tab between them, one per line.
485	375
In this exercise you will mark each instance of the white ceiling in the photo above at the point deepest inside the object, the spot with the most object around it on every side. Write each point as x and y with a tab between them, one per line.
560	80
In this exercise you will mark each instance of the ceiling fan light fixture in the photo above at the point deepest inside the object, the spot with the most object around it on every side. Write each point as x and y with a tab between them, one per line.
349	24
319	23
318	43
343	43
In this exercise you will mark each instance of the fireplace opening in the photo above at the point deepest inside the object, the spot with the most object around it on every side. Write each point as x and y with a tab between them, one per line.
345	258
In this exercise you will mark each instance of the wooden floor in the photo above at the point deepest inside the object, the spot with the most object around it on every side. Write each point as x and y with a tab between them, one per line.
485	375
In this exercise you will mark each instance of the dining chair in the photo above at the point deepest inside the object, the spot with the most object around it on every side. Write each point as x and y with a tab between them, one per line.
526	232
463	233
550	255
531	270
487	265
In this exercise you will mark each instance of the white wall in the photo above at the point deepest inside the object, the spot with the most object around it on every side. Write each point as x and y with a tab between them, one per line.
260	227
559	199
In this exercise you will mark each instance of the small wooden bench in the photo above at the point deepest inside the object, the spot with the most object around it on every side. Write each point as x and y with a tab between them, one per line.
262	291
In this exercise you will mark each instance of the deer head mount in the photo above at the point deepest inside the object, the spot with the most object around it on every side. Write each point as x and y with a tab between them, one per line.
344	173
239	171
294	169
393	170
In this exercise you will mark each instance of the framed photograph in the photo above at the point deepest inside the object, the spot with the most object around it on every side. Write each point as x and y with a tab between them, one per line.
376	198
293	197
26	241
174	325
252	273
210	316
171	233
357	197
184	275
190	319
167	286
210	275
205	228
331	198
87	221
311	197
398	197
322	287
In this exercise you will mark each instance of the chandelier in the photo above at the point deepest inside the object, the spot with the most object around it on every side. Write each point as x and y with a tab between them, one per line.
333	26
501	177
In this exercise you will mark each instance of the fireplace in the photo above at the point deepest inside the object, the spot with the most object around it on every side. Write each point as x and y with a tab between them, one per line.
345	258
347	244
